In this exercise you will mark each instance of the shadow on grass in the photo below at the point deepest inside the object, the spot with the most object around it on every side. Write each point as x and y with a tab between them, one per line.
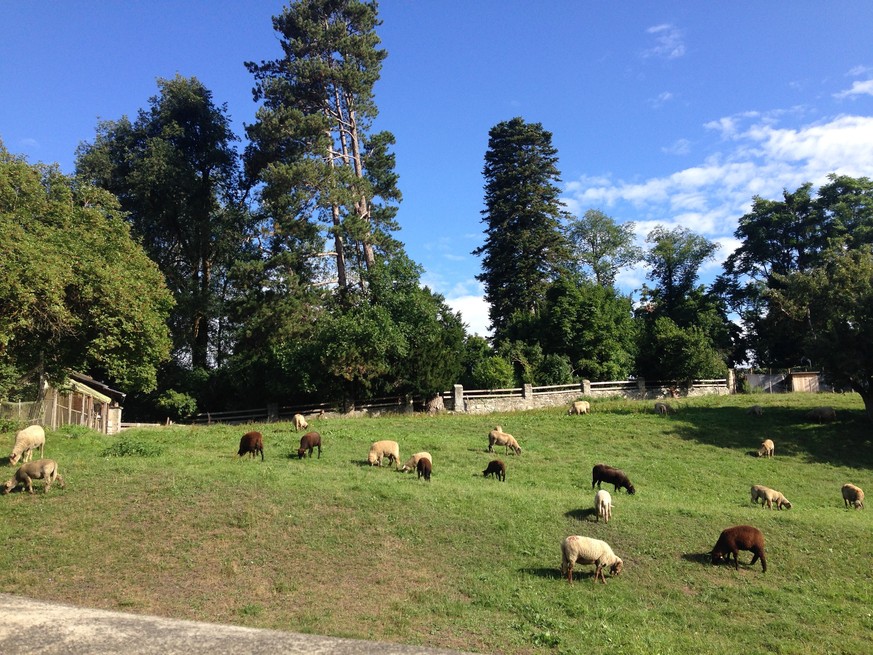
698	558
587	514
551	573
848	441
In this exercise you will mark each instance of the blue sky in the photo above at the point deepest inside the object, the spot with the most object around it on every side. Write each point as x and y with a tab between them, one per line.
670	113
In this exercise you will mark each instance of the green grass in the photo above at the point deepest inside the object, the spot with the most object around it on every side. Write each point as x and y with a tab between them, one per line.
171	522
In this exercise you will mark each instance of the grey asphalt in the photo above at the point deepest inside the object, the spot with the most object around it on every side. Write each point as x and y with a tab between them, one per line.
30	627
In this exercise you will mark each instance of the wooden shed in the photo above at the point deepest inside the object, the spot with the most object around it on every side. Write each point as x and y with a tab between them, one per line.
804	381
83	401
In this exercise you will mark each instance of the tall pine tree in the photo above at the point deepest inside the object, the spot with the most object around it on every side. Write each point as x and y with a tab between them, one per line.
524	246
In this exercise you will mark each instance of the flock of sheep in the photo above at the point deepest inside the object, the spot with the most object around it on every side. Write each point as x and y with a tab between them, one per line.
575	549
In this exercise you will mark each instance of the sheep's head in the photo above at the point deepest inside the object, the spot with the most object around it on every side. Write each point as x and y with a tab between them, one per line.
717	557
616	568
301	452
8	486
786	504
517	450
631	489
14	458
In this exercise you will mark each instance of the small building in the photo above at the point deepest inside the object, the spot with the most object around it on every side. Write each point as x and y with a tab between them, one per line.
806	381
83	401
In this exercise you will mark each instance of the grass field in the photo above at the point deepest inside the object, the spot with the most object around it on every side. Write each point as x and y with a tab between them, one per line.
171	522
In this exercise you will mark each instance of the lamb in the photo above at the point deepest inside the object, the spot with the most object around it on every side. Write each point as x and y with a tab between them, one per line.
767	448
755	410
412	462
603	505
605	473
300	423
768	497
25	475
308	442
497	469
584	550
853	496
737	538
380	449
424	468
579	407
821	414
26	441
253	443
499	437
664	408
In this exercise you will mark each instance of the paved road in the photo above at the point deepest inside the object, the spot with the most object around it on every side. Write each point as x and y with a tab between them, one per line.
29	627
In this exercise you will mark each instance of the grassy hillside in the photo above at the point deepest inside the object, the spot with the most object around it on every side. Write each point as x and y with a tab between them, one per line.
170	522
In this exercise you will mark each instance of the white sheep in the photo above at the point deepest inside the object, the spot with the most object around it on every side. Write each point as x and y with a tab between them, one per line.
26	441
498	437
768	448
584	550
768	497
27	473
580	407
412	462
603	505
853	496
380	449
300	423
664	408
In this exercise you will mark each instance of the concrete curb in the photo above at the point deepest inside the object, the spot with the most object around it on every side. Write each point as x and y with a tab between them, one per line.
31	627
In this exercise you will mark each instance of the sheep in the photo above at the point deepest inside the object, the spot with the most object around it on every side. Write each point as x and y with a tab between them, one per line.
25	475
821	414
737	538
853	496
380	449
26	441
768	448
579	407
300	423
664	408
497	469
768	497
253	443
501	438
424	468
412	462
605	473
603	505
755	410
584	550
308	442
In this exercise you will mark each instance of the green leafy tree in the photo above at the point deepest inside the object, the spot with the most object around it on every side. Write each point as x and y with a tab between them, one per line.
493	372
675	354
524	246
176	174
311	146
603	246
76	291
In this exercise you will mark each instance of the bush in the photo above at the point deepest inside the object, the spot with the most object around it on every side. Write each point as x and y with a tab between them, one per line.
179	406
132	448
493	373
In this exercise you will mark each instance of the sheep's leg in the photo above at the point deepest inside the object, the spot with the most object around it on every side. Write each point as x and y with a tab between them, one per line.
28	484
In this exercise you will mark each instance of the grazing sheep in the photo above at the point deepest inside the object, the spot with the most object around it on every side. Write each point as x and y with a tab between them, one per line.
499	437
579	407
584	550
27	473
755	410
253	443
380	449
424	468
603	505
412	462
853	496
605	473
26	441
768	448
768	497
664	408
308	442
300	423
821	414
737	538
495	468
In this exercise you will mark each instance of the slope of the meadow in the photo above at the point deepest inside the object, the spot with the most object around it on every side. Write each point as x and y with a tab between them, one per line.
171	522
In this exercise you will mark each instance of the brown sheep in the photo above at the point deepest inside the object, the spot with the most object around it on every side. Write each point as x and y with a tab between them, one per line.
605	473
737	538
496	468
424	468
767	449
664	408
308	442
853	496
25	475
253	443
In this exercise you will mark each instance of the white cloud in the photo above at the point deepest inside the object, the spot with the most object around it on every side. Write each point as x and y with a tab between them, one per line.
474	312
678	147
668	42
864	88
661	99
